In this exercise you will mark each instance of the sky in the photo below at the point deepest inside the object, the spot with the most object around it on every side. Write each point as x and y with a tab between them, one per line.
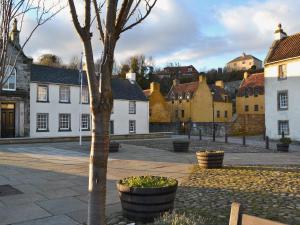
206	34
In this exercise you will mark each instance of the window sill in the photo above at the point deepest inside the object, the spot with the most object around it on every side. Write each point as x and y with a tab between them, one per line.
85	130
281	79
65	130
42	131
283	109
42	101
64	102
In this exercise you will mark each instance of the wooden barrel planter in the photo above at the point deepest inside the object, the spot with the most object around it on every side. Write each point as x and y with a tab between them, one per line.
114	147
282	147
181	146
144	204
210	159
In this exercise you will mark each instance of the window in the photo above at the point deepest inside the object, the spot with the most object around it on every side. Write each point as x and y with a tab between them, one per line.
225	98
10	79
176	113
150	112
283	126
182	113
64	122
256	91
225	114
85	122
42	122
42	93
111	127
246	93
64	94
218	114
282	100
256	108
190	69
85	95
246	108
131	126
282	72
243	62
132	107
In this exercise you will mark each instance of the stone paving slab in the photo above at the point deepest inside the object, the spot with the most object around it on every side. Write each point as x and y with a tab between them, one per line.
62	205
53	220
19	213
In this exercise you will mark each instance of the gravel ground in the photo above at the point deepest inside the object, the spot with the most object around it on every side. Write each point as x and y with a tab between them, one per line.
267	192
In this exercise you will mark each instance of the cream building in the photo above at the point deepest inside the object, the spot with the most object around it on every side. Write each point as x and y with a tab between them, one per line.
243	62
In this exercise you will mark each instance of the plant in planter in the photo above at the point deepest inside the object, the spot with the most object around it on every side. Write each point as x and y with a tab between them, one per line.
144	198
284	144
210	159
114	147
181	146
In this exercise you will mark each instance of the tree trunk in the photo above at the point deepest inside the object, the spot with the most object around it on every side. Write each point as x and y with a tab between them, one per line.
98	168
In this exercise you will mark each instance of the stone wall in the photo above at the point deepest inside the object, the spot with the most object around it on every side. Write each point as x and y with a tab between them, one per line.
249	124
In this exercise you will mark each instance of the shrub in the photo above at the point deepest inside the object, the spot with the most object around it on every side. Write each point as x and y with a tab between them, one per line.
183	219
148	181
285	140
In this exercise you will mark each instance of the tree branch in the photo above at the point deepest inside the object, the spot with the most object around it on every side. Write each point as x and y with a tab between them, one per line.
74	15
98	18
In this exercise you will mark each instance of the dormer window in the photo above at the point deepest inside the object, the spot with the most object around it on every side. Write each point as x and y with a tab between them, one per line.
190	69
10	79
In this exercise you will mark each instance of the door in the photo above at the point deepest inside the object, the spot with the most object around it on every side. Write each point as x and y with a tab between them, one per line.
7	121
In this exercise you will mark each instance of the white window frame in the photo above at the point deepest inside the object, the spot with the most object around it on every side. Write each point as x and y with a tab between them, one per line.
66	119
40	87
283	125
282	72
132	107
42	124
85	122
283	100
132	126
64	94
84	96
10	78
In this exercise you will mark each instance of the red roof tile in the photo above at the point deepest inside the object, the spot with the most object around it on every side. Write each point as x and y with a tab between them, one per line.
285	48
147	92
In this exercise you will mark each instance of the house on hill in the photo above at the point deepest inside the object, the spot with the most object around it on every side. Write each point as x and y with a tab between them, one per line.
282	82
243	63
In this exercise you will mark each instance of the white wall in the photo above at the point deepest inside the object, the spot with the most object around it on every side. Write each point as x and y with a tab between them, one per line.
121	117
120	114
272	86
53	108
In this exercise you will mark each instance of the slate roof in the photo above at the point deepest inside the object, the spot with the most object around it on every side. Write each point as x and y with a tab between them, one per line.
243	57
288	47
254	81
121	88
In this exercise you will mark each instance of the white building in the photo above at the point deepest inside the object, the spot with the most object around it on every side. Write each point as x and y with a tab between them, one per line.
55	104
282	86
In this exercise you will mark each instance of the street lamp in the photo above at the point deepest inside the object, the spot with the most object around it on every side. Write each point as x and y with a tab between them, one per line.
213	114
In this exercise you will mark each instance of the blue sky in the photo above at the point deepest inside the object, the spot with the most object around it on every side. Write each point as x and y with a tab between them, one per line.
206	34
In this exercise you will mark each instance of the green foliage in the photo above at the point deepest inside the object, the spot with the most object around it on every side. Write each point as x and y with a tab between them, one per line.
183	219
285	140
148	181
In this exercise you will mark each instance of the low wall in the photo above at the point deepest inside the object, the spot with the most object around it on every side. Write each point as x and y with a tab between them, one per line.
84	138
250	124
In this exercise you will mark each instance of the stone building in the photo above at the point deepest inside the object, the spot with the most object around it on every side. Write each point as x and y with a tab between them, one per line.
243	62
15	93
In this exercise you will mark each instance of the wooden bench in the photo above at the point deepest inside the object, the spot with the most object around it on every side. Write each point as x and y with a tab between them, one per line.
238	218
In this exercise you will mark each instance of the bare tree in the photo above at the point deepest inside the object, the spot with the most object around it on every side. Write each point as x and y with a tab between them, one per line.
119	17
10	11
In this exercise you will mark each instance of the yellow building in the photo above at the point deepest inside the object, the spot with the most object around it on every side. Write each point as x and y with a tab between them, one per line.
158	108
195	102
251	97
250	106
244	62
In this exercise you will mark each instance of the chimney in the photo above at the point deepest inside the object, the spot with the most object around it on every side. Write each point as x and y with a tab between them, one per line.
202	79
175	82
244	54
15	34
246	75
219	83
154	87
131	77
279	33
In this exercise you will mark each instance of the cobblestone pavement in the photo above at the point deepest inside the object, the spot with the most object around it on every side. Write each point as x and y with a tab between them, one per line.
268	192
